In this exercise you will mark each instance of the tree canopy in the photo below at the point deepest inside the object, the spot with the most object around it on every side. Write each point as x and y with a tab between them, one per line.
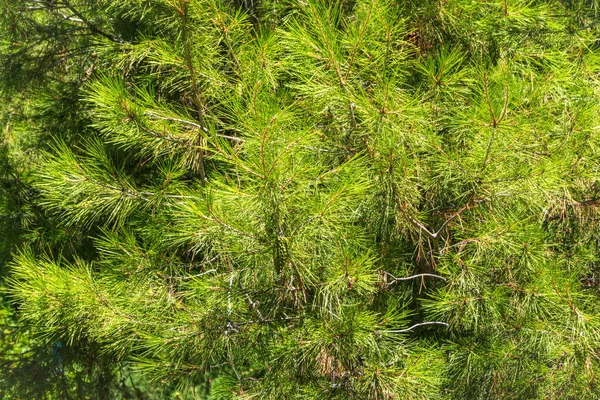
277	199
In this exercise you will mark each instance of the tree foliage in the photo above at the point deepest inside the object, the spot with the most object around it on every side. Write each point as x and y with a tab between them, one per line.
357	199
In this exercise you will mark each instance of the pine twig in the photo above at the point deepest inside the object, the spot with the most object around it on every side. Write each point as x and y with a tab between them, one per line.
413	277
415	326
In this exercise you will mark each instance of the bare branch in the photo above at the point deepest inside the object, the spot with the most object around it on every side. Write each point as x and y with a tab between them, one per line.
415	326
413	277
423	228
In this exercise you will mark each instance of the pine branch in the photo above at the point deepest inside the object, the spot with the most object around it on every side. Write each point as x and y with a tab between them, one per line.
192	124
93	28
362	31
323	36
196	97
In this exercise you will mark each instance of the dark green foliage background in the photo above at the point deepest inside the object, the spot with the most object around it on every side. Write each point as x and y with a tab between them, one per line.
276	199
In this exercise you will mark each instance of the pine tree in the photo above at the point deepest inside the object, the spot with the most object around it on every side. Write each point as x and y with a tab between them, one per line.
364	199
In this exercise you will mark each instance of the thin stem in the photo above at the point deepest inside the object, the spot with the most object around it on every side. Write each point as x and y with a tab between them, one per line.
413	277
415	326
171	119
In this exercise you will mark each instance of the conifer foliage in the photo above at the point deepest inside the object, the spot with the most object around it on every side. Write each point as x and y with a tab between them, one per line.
276	199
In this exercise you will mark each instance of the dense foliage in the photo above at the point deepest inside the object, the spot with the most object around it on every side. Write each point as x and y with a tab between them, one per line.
278	199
